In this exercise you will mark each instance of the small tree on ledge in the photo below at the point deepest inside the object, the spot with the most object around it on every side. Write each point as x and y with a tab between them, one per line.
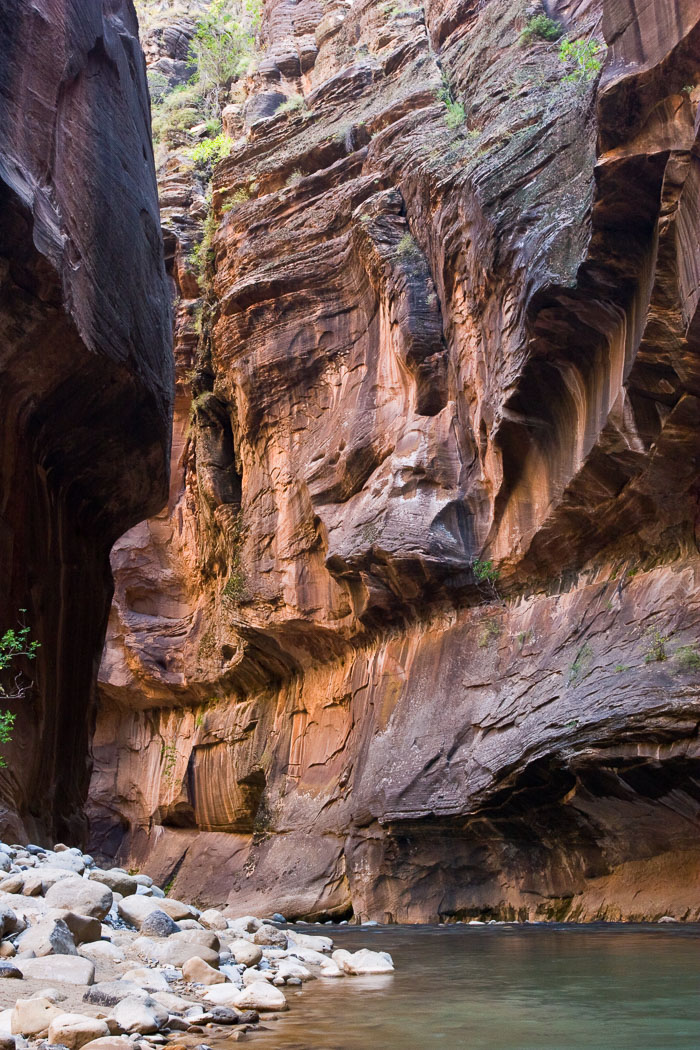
14	685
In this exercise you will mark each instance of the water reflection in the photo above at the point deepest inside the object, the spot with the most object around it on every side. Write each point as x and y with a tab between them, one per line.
504	988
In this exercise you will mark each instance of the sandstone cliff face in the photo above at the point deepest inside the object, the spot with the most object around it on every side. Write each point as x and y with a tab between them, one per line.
85	391
428	345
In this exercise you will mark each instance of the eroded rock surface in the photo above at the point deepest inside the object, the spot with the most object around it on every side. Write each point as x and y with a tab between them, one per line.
85	396
429	345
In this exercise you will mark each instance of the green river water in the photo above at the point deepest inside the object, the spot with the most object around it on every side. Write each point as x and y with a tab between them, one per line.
505	987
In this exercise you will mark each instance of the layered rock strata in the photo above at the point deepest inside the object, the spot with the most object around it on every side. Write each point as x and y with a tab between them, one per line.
85	397
452	325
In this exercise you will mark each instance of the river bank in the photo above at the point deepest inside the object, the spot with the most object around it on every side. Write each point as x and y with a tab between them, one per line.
104	960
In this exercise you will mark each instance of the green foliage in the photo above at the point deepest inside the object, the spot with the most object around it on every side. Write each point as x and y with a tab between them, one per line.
492	629
209	152
14	644
540	27
157	85
688	658
168	886
168	756
234	588
222	47
455	114
239	196
580	665
484	571
294	104
201	257
656	653
583	56
622	667
407	246
181	109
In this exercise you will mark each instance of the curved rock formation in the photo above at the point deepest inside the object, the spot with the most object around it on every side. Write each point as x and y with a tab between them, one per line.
85	395
418	634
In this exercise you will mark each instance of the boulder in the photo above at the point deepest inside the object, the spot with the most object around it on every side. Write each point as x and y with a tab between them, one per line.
12	884
223	1015
110	1042
246	924
245	952
213	919
117	880
49	937
291	968
69	860
252	975
143	1016
206	937
151	980
101	952
75	1030
223	994
85	928
32	885
261	996
7	950
270	935
176	909
158	924
10	923
109	993
197	971
32	1017
80	895
170	953
71	969
363	962
305	940
8	971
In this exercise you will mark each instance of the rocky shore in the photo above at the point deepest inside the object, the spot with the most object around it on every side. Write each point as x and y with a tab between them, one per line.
104	959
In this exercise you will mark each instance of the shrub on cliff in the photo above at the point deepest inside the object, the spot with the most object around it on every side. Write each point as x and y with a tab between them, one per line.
585	58
222	47
14	644
540	27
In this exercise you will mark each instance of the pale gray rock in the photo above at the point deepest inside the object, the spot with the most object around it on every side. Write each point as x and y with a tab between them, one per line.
80	895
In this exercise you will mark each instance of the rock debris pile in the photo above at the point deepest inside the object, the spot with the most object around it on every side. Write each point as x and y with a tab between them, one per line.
107	960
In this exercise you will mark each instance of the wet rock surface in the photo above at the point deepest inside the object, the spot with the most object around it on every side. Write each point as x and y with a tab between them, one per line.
429	348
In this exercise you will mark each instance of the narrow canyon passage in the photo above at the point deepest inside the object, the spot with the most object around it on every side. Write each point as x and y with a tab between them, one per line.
416	636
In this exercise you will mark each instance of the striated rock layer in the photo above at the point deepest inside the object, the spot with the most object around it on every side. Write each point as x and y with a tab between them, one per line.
85	391
429	344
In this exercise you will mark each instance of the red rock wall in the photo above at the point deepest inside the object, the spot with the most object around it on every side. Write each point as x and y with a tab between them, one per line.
85	397
429	345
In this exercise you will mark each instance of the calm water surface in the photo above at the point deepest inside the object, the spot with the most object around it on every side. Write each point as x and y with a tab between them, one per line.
603	987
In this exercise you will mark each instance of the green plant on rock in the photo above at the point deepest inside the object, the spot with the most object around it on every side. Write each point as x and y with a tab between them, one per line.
579	667
656	651
455	114
294	104
491	631
584	57
222	47
15	644
407	246
168	757
540	27
209	152
157	85
180	109
688	658
485	571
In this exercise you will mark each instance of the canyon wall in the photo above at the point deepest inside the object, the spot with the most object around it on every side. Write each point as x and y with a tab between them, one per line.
417	635
85	369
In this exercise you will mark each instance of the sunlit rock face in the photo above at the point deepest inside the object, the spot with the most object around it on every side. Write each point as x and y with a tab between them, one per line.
431	342
85	369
